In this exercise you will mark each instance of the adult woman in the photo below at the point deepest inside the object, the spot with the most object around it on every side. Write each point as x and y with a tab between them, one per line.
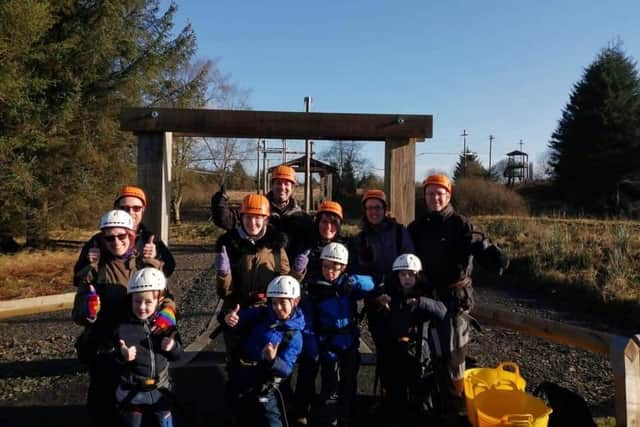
380	241
250	256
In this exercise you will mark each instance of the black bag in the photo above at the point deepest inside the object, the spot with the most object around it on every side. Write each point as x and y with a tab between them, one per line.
569	408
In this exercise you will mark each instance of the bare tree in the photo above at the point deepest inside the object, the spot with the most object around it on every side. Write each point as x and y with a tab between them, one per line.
344	152
210	88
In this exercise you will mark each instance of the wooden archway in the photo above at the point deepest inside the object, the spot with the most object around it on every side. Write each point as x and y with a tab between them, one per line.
155	127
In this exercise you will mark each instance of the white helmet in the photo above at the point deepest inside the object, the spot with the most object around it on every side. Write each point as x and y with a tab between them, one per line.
335	252
147	279
407	262
116	218
283	287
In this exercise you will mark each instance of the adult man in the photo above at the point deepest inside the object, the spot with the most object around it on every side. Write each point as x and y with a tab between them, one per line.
133	200
446	243
286	215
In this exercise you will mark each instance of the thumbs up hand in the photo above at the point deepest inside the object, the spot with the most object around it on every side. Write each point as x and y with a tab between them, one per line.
128	353
269	351
149	249
93	303
167	343
94	253
384	300
222	264
232	317
301	261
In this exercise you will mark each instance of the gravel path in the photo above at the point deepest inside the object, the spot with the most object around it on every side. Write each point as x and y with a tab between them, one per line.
38	367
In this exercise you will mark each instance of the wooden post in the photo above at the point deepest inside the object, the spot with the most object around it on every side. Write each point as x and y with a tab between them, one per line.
329	186
625	363
399	178
154	176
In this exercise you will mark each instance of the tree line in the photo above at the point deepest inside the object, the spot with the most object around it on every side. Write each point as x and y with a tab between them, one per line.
67	68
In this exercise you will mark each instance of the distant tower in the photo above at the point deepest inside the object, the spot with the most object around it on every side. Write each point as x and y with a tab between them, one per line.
517	169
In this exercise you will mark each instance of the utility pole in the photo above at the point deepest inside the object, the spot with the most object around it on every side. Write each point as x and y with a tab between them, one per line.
258	166
464	152
284	151
307	169
264	167
491	138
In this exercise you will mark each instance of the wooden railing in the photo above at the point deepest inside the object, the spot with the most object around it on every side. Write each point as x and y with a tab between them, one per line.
36	305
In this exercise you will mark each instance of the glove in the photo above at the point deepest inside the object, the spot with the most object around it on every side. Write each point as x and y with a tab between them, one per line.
301	261
165	320
346	286
223	267
93	303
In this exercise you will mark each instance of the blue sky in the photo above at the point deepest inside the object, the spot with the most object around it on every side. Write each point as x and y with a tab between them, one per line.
495	67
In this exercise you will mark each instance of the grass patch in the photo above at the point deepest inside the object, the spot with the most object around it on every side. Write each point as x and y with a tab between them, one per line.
593	260
36	273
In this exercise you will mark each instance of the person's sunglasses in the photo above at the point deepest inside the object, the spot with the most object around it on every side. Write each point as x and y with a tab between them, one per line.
112	238
131	208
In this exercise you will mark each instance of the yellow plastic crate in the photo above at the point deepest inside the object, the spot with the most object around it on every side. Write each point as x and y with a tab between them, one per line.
510	408
505	376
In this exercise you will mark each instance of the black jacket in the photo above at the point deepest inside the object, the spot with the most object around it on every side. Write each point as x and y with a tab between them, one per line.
406	326
446	243
151	361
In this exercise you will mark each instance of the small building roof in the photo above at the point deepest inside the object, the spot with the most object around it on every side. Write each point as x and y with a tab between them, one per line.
299	166
517	153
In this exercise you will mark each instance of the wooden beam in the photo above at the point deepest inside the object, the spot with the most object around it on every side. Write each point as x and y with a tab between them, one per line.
399	178
278	124
561	333
36	305
154	176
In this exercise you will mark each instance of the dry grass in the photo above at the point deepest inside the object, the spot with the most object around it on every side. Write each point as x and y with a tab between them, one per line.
597	259
37	273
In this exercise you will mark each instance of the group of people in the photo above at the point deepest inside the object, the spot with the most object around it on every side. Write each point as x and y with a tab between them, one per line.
292	283
129	317
294	291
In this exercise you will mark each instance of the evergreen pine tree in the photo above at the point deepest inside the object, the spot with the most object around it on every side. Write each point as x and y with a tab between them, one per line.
597	141
472	168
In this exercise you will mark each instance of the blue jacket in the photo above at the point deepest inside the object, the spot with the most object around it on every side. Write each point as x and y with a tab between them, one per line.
259	326
330	314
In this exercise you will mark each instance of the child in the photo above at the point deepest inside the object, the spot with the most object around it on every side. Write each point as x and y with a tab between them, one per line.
270	340
330	308
407	343
144	377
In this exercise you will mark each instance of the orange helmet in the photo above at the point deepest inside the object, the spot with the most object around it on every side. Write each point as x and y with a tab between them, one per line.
284	172
439	180
374	194
255	204
331	207
131	191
